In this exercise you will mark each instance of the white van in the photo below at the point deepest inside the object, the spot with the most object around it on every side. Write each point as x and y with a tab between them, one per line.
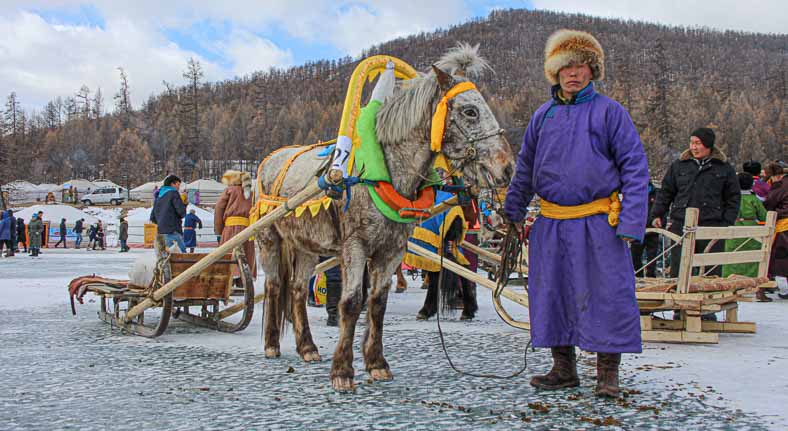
105	195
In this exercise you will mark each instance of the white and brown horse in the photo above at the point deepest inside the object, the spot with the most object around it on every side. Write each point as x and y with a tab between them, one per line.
369	245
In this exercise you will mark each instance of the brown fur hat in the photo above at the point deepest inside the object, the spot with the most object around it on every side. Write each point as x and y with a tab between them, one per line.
774	169
238	178
566	47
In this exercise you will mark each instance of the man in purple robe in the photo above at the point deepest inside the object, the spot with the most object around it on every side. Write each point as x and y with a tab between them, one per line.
581	149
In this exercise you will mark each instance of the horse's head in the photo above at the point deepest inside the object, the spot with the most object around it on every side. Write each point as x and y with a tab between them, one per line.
473	141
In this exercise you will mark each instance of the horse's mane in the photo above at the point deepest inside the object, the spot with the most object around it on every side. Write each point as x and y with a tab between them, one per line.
410	105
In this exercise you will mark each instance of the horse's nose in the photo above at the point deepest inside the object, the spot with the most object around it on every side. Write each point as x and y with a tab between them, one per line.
508	173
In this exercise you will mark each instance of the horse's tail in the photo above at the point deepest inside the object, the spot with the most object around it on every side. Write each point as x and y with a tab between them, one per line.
449	290
286	262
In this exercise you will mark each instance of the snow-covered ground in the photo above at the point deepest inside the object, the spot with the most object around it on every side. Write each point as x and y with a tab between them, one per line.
66	372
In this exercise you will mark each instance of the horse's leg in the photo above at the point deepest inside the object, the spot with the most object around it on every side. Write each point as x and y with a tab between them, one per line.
402	284
268	247
353	261
299	286
380	270
430	306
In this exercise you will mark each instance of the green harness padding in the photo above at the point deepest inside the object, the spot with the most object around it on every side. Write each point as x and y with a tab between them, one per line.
371	162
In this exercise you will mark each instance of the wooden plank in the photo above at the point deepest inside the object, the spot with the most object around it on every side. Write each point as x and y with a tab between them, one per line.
732	232
730	327
309	192
766	246
646	323
466	273
687	250
235	308
664	232
680	337
490	256
709	259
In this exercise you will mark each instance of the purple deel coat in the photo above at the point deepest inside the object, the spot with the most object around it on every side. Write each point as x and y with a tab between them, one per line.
581	282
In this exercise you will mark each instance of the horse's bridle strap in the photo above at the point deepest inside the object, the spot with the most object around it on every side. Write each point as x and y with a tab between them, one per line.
441	111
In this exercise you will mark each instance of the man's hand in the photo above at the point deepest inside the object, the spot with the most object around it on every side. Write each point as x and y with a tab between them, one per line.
657	223
628	239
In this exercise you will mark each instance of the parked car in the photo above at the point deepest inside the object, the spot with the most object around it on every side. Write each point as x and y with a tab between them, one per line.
106	195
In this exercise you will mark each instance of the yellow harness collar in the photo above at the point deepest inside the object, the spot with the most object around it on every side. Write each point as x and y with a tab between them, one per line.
439	118
609	205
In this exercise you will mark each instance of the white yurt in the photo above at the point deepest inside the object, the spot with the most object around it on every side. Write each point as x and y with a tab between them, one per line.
22	191
104	183
139	217
145	192
205	192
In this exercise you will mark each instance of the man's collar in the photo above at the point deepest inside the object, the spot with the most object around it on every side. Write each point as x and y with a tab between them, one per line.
584	95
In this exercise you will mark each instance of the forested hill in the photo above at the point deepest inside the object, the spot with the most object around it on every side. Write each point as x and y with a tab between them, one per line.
672	79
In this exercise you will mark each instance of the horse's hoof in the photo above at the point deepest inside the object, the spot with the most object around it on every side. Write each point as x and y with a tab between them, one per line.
381	374
422	316
272	352
343	384
400	290
466	317
312	356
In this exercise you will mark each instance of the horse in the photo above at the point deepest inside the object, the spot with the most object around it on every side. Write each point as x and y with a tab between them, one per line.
369	246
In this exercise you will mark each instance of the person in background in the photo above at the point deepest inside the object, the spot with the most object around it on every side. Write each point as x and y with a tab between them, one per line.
190	225
63	231
168	211
12	227
21	234
44	233
78	228
123	235
650	242
232	210
35	230
751	211
333	293
777	200
92	230
701	178
5	232
760	188
99	236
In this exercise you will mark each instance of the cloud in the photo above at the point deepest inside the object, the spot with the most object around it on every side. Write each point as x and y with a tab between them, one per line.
761	16
250	53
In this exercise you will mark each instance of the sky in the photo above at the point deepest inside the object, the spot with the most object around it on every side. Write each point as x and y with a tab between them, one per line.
51	48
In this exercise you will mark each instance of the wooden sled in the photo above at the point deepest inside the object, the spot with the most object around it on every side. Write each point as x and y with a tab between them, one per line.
206	300
695	296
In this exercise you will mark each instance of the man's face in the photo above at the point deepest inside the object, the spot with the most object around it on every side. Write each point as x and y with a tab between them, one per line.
176	185
574	78
698	150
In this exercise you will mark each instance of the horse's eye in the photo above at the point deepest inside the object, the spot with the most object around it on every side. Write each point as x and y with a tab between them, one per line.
470	112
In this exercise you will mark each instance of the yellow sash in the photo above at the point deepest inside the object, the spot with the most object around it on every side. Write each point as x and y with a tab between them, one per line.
782	226
610	206
237	221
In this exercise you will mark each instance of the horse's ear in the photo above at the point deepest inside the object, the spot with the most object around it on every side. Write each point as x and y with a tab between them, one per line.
445	81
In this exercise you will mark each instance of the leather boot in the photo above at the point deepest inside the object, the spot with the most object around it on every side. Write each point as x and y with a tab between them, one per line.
333	293
607	374
564	371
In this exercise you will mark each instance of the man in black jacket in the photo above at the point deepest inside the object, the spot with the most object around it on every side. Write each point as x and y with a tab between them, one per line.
78	228
168	212
703	179
650	242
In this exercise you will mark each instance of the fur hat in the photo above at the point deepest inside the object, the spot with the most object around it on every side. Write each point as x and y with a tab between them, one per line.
566	47
774	169
238	178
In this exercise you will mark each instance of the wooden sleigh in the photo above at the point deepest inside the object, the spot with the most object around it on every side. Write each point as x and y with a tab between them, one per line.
695	296
206	300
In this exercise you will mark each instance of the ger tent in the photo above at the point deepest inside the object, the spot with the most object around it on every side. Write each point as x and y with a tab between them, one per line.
139	217
145	191
209	191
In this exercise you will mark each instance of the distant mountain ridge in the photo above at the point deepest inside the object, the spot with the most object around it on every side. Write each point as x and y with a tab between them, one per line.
671	79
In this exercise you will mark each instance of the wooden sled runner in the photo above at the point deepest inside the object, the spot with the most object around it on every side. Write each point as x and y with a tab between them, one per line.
695	296
206	300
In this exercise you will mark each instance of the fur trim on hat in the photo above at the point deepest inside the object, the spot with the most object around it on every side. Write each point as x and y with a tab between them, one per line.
238	178
565	47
